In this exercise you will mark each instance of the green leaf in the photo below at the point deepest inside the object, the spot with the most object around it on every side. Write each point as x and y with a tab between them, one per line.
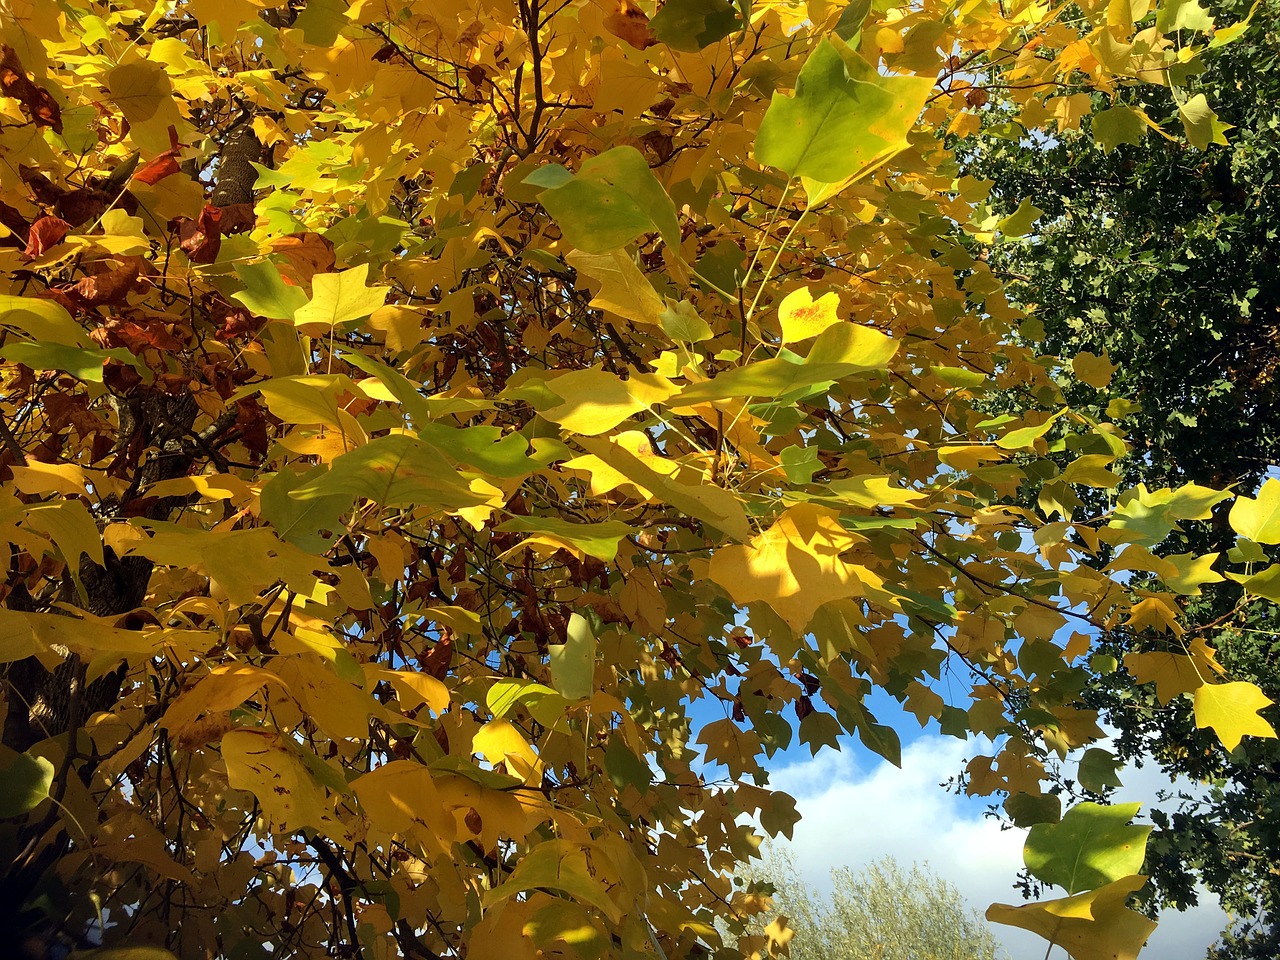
266	294
573	663
486	449
624	768
1027	810
84	364
395	470
840	351
311	524
556	865
844	119
683	325
595	217
613	199
544	704
849	27
24	785
690	25
1118	125
1093	845
800	463
599	540
341	297
1097	771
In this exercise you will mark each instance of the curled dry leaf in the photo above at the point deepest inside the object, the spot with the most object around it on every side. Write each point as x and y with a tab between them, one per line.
37	102
45	233
201	238
110	287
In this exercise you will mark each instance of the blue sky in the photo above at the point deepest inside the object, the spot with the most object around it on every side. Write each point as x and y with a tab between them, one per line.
856	808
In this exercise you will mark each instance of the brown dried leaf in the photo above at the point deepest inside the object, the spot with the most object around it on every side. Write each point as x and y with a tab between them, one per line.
308	253
45	233
201	239
37	102
113	286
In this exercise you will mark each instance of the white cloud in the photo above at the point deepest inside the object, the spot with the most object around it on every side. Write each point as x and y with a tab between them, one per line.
853	814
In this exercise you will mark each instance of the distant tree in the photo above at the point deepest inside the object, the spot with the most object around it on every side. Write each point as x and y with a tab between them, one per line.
881	912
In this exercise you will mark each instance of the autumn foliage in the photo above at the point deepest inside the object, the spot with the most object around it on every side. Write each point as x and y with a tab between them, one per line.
411	411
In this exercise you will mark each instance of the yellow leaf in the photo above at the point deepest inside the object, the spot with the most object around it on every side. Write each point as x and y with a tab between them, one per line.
340	298
1232	709
1155	613
641	467
498	741
71	528
401	326
1172	673
730	745
624	290
1259	518
803	317
339	708
596	401
398	797
1092	369
264	764
795	566
225	688
1090	926
415	688
873	492
1192	572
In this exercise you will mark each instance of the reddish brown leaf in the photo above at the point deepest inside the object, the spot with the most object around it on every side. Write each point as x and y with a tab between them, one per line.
37	102
45	233
237	218
45	191
437	662
110	287
84	205
17	224
201	238
120	377
61	299
252	426
162	165
629	24
157	168
308	253
61	411
136	335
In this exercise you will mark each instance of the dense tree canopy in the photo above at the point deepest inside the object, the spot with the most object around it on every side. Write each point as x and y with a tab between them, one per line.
409	411
1162	256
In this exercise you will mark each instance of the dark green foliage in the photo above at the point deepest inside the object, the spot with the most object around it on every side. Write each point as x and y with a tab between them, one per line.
1168	259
